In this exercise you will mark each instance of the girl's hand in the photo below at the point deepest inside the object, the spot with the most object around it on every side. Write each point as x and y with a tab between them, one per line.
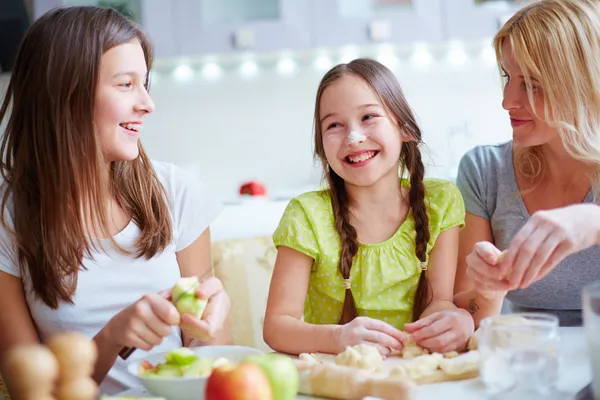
547	239
442	331
371	331
143	324
215	313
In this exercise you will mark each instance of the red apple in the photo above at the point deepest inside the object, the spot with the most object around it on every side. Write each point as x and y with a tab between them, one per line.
245	381
253	188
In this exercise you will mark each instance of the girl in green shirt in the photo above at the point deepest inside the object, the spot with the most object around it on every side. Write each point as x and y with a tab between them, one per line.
360	261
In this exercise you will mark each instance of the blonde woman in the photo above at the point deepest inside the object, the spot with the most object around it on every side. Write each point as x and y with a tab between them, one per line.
534	197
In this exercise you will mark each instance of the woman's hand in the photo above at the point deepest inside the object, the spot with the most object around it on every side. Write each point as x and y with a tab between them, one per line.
143	324
371	331
215	313
484	271
547	239
442	331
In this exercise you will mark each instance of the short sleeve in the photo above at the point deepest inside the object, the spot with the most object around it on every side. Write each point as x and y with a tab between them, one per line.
454	210
296	231
8	250
194	207
471	184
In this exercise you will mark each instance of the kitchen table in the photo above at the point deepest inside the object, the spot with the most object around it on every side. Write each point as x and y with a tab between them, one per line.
575	373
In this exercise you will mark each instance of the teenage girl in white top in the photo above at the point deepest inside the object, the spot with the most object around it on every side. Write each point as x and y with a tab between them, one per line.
94	233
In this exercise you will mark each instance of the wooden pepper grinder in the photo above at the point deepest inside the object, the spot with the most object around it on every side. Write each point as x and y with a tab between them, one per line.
76	355
30	373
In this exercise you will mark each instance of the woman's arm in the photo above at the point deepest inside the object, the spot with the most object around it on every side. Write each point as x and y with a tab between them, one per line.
283	329
479	304
195	260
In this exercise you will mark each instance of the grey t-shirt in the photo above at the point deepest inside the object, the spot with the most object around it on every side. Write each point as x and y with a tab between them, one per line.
486	179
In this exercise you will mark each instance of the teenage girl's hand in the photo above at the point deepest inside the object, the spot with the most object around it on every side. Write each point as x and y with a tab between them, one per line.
215	313
371	331
143	324
442	331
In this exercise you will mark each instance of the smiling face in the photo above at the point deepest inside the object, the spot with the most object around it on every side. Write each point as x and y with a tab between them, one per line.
361	141
529	129
122	101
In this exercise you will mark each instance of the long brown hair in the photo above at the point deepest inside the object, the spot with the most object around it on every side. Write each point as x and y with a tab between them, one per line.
383	82
52	163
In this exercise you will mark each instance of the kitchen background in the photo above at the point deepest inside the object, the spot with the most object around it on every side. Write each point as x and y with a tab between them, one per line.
235	82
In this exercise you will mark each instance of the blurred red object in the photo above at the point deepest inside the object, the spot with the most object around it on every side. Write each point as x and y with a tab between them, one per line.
253	188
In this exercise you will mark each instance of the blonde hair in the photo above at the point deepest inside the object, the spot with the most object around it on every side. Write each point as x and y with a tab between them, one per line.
558	43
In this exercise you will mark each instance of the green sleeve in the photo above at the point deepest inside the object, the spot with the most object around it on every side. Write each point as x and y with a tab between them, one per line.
453	208
296	231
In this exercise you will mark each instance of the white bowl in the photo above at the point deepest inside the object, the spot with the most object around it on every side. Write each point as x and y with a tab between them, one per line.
187	388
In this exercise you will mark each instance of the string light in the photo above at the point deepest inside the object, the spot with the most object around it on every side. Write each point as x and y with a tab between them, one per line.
456	54
249	69
211	71
183	73
421	57
286	66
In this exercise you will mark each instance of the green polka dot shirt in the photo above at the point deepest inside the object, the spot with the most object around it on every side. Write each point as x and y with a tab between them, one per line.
384	276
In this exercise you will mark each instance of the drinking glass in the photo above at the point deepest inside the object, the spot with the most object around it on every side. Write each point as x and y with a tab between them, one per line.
519	356
591	325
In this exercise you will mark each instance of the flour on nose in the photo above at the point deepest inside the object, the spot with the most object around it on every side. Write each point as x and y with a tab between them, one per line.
355	137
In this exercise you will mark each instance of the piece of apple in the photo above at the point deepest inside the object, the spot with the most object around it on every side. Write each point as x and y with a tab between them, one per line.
190	304
245	381
168	371
146	368
200	367
180	356
281	372
183	295
184	285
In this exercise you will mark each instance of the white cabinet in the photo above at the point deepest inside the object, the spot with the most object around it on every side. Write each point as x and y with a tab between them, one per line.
221	26
360	22
477	19
157	18
199	27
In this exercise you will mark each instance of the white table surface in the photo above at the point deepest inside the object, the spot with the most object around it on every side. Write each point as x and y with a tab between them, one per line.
575	373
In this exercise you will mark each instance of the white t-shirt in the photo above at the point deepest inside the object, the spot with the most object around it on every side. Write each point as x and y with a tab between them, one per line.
111	281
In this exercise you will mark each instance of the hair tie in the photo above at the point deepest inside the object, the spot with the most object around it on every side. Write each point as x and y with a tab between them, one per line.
347	284
423	266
